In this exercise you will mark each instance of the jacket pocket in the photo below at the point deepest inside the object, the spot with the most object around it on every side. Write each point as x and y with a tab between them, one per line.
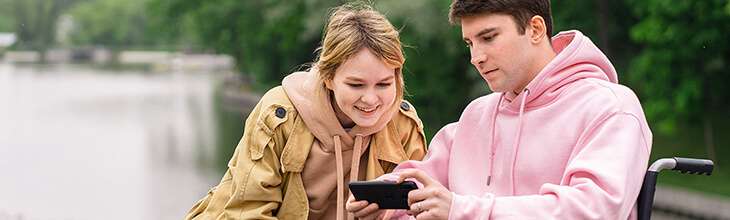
266	124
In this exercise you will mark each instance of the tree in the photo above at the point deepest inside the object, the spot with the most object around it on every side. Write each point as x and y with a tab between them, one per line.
115	23
439	78
35	22
7	23
268	39
683	61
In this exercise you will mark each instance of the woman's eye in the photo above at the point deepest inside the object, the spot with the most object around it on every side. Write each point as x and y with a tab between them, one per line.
354	85
383	84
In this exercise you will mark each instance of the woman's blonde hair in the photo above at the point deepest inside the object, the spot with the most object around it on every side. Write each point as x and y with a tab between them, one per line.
354	26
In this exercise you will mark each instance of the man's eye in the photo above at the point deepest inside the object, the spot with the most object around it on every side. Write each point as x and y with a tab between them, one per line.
489	38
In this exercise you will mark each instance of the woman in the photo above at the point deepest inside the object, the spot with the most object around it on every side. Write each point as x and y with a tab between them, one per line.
340	121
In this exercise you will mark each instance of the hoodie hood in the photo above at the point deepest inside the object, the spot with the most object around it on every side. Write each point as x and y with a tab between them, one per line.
577	58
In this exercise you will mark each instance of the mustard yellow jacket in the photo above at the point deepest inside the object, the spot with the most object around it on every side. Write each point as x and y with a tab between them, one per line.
263	180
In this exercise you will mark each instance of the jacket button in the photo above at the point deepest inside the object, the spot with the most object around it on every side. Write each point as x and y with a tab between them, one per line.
404	105
280	112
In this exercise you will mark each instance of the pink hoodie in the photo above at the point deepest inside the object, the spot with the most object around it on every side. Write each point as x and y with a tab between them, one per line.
574	145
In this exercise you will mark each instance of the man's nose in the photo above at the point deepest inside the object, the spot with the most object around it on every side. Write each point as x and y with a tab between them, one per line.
477	58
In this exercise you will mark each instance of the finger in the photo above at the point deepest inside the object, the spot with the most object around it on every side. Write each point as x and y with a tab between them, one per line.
425	215
417	174
412	197
369	212
356	206
424	194
417	208
388	177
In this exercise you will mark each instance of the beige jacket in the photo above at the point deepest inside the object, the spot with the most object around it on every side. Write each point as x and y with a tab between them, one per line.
264	177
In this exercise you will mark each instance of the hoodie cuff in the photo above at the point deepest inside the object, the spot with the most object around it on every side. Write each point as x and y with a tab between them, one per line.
397	214
470	207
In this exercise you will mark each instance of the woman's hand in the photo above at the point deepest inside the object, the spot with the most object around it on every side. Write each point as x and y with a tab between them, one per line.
433	201
362	209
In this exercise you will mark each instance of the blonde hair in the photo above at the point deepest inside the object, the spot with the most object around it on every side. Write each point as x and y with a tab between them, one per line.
354	26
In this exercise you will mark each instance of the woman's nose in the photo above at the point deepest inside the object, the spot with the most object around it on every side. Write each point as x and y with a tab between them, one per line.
369	97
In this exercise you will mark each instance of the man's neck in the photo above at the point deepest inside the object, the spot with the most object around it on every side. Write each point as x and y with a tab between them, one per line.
541	60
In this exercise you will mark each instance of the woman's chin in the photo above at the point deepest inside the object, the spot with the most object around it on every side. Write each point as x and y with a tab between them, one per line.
366	121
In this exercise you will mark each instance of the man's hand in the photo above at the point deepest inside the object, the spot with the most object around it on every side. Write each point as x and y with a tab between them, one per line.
433	201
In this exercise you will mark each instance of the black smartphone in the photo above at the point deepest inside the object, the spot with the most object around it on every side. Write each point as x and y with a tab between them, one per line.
388	195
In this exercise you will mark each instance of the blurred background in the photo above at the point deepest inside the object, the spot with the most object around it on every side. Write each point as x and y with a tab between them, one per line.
130	109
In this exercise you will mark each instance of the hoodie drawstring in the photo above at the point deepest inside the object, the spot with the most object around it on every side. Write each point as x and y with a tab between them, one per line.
516	144
340	178
354	169
492	146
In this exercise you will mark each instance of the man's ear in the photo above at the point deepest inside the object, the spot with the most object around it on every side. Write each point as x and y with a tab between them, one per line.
537	29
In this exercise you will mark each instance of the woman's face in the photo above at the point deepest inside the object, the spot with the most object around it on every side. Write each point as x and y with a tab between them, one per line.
364	88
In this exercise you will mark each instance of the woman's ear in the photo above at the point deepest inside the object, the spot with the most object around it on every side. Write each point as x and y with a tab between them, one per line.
328	84
537	29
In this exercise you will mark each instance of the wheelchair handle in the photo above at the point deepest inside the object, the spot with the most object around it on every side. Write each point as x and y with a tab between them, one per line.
694	166
683	165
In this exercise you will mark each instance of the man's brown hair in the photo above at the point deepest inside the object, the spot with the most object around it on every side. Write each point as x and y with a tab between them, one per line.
520	10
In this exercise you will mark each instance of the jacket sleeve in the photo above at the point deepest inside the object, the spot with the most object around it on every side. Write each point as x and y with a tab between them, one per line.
251	187
601	181
414	140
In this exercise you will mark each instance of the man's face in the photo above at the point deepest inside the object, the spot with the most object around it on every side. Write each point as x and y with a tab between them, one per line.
499	52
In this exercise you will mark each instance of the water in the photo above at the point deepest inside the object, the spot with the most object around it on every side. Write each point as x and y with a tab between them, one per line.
82	143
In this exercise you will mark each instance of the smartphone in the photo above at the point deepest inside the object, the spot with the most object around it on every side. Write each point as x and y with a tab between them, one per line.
388	195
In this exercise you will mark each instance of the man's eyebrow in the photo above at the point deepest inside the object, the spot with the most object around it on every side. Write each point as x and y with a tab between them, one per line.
483	32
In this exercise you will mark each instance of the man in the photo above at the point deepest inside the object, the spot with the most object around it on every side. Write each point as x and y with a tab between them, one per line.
558	139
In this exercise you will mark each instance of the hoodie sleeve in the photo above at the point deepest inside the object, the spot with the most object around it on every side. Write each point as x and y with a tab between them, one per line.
601	181
435	164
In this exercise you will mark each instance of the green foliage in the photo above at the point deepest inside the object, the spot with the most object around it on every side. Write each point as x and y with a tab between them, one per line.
682	67
268	39
116	23
7	21
35	21
605	23
439	77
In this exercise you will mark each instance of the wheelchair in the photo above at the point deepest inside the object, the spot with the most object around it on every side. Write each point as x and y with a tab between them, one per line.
683	165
